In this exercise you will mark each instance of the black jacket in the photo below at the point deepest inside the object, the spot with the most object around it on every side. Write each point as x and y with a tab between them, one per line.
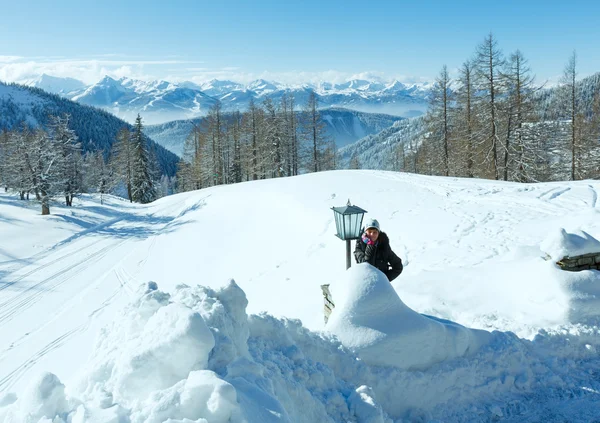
381	256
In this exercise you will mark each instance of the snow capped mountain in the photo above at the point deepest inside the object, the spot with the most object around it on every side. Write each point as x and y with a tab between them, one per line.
55	85
262	87
106	92
157	101
217	88
96	129
163	101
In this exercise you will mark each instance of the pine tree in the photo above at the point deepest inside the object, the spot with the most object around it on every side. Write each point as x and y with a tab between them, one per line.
143	190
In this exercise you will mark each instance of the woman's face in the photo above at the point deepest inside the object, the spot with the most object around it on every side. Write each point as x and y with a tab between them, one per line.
372	233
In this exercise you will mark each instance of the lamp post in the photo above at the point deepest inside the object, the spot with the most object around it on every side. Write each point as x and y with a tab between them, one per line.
348	222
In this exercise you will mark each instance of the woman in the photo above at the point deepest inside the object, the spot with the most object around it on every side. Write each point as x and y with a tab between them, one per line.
374	248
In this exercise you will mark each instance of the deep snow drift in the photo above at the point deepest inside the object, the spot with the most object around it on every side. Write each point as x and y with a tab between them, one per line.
195	356
372	320
477	254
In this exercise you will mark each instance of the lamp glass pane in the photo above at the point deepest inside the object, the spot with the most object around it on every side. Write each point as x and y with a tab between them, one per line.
337	222
356	225
347	226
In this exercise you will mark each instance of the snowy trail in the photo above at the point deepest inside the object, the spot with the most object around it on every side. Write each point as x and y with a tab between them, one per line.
54	301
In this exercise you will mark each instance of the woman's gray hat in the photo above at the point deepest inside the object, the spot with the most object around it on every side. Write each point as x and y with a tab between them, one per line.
372	223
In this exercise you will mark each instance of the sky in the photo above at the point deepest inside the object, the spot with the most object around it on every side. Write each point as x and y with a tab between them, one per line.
306	41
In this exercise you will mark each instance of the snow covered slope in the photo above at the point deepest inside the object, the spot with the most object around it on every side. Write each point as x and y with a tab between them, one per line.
476	256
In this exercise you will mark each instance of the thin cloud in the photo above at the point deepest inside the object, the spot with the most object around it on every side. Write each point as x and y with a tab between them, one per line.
9	59
91	70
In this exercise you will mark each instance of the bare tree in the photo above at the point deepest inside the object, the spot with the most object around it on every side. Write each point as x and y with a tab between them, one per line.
520	98
122	154
314	131
570	101
439	122
488	62
465	118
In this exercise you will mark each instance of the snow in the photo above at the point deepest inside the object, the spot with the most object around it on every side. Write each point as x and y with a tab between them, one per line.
128	313
372	320
562	244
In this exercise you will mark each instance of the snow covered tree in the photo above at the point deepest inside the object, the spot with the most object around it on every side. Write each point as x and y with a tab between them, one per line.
143	190
98	174
4	136
71	163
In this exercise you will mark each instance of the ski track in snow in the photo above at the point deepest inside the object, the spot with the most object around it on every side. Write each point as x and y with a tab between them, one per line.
28	281
23	300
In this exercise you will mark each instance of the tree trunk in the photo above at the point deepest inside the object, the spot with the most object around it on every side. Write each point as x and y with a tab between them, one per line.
507	144
45	205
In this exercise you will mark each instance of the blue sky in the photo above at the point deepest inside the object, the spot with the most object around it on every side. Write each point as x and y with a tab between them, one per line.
287	40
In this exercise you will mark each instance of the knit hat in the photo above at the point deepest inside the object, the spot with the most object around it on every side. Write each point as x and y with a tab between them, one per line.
372	223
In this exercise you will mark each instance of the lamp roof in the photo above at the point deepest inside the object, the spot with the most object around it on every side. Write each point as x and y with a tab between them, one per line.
348	209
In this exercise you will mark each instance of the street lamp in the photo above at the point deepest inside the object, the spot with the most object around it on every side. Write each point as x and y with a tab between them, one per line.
348	222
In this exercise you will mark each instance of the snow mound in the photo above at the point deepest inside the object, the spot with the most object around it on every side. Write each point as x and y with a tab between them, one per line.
371	319
44	397
563	244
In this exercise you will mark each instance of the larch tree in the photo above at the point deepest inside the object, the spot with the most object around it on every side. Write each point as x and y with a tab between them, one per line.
571	104
465	119
122	160
519	144
439	125
489	62
314	133
66	142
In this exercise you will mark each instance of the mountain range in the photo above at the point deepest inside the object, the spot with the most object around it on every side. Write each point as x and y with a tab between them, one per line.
163	101
95	128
